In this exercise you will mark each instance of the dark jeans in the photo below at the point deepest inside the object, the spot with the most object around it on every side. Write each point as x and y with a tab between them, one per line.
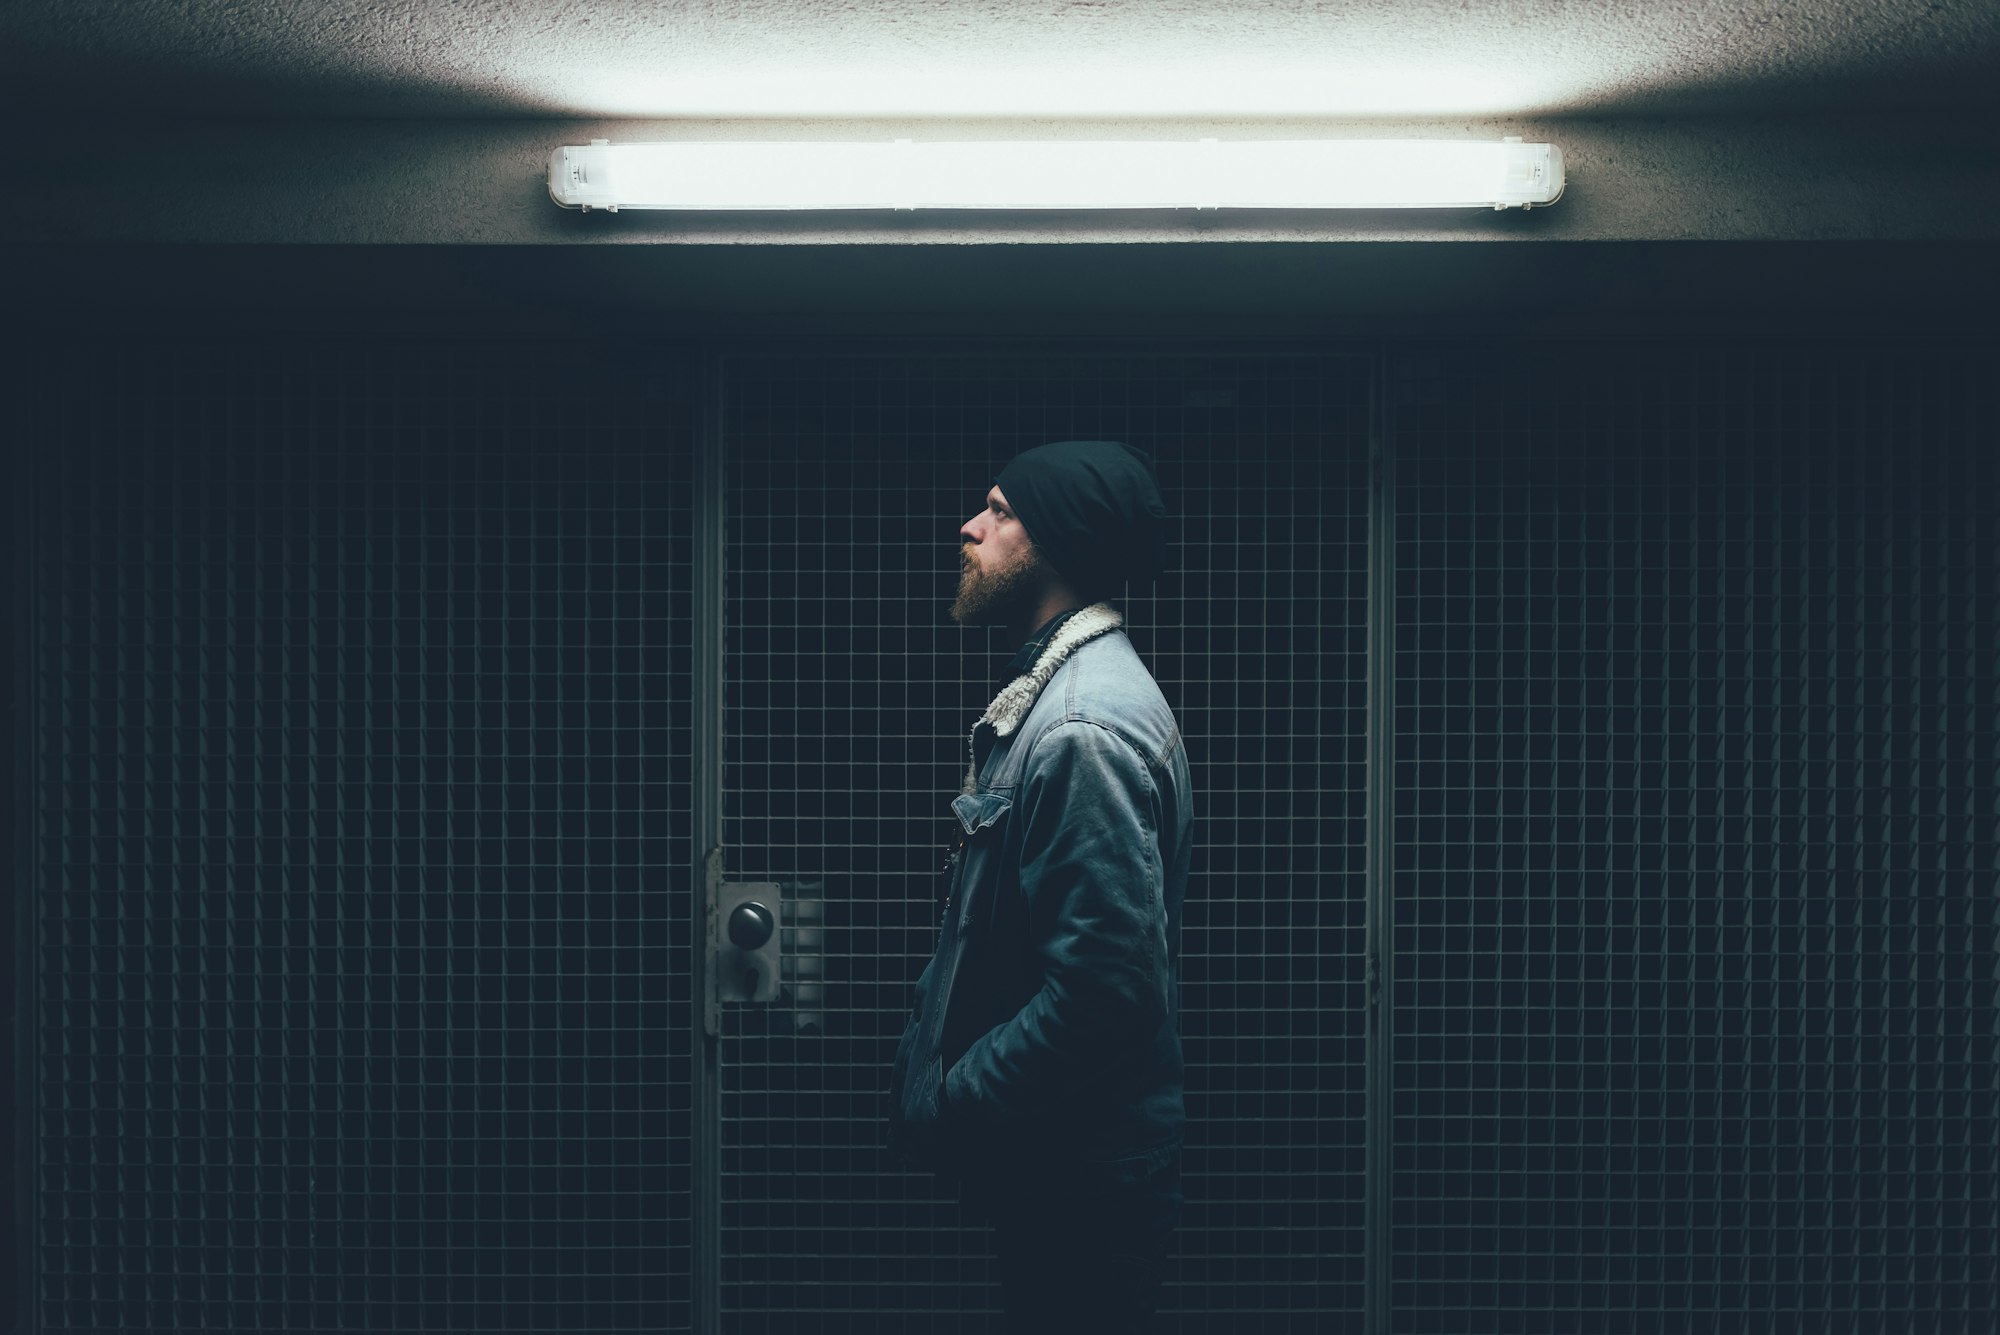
1083	1250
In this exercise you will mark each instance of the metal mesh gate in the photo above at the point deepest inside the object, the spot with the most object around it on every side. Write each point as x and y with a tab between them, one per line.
1698	774
850	691
356	829
357	840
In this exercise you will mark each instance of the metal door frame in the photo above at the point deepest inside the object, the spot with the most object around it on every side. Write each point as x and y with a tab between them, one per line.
19	1235
710	648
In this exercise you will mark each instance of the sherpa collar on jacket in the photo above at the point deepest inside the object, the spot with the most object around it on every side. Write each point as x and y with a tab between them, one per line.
1018	696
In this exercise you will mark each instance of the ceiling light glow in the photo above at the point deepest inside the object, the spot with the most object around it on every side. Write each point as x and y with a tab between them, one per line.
1001	174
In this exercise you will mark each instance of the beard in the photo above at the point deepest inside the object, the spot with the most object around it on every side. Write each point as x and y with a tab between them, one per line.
997	597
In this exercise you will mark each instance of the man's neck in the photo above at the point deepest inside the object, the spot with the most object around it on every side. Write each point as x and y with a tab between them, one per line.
1051	607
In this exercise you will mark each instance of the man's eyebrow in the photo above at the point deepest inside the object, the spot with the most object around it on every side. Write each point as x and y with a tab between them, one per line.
992	501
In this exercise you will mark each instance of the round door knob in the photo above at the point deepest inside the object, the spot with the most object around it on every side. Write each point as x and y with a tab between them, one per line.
750	926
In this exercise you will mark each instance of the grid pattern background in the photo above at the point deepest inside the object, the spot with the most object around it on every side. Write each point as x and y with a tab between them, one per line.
359	823
360	829
850	692
1698	733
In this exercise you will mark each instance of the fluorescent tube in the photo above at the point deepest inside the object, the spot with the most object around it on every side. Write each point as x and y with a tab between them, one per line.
1065	174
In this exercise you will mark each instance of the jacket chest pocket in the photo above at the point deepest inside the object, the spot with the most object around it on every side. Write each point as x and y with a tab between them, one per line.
980	819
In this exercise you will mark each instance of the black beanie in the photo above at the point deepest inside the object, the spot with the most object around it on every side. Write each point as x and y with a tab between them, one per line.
1093	508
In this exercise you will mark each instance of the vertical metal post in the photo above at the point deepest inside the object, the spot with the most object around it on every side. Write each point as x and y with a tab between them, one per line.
1379	936
705	771
22	1263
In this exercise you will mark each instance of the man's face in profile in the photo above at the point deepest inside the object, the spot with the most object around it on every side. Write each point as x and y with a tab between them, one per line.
1002	572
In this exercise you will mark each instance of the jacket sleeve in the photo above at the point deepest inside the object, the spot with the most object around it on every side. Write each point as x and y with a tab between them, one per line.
1092	877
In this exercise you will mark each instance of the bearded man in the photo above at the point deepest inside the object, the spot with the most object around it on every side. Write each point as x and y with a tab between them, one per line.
1041	1070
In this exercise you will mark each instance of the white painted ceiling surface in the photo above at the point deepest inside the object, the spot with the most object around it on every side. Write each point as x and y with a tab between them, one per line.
65	59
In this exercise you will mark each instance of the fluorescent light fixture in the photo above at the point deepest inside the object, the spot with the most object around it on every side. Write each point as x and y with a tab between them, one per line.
1063	174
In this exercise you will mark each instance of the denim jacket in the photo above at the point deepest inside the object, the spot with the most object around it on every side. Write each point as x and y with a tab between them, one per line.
1046	1026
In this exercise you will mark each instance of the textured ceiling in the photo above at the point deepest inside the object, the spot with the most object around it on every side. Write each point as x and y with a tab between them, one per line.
64	59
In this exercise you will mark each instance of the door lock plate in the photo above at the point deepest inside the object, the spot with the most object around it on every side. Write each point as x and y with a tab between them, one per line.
745	942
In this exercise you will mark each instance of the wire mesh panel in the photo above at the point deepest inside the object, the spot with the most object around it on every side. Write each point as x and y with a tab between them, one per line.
1695	848
850	694
360	841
